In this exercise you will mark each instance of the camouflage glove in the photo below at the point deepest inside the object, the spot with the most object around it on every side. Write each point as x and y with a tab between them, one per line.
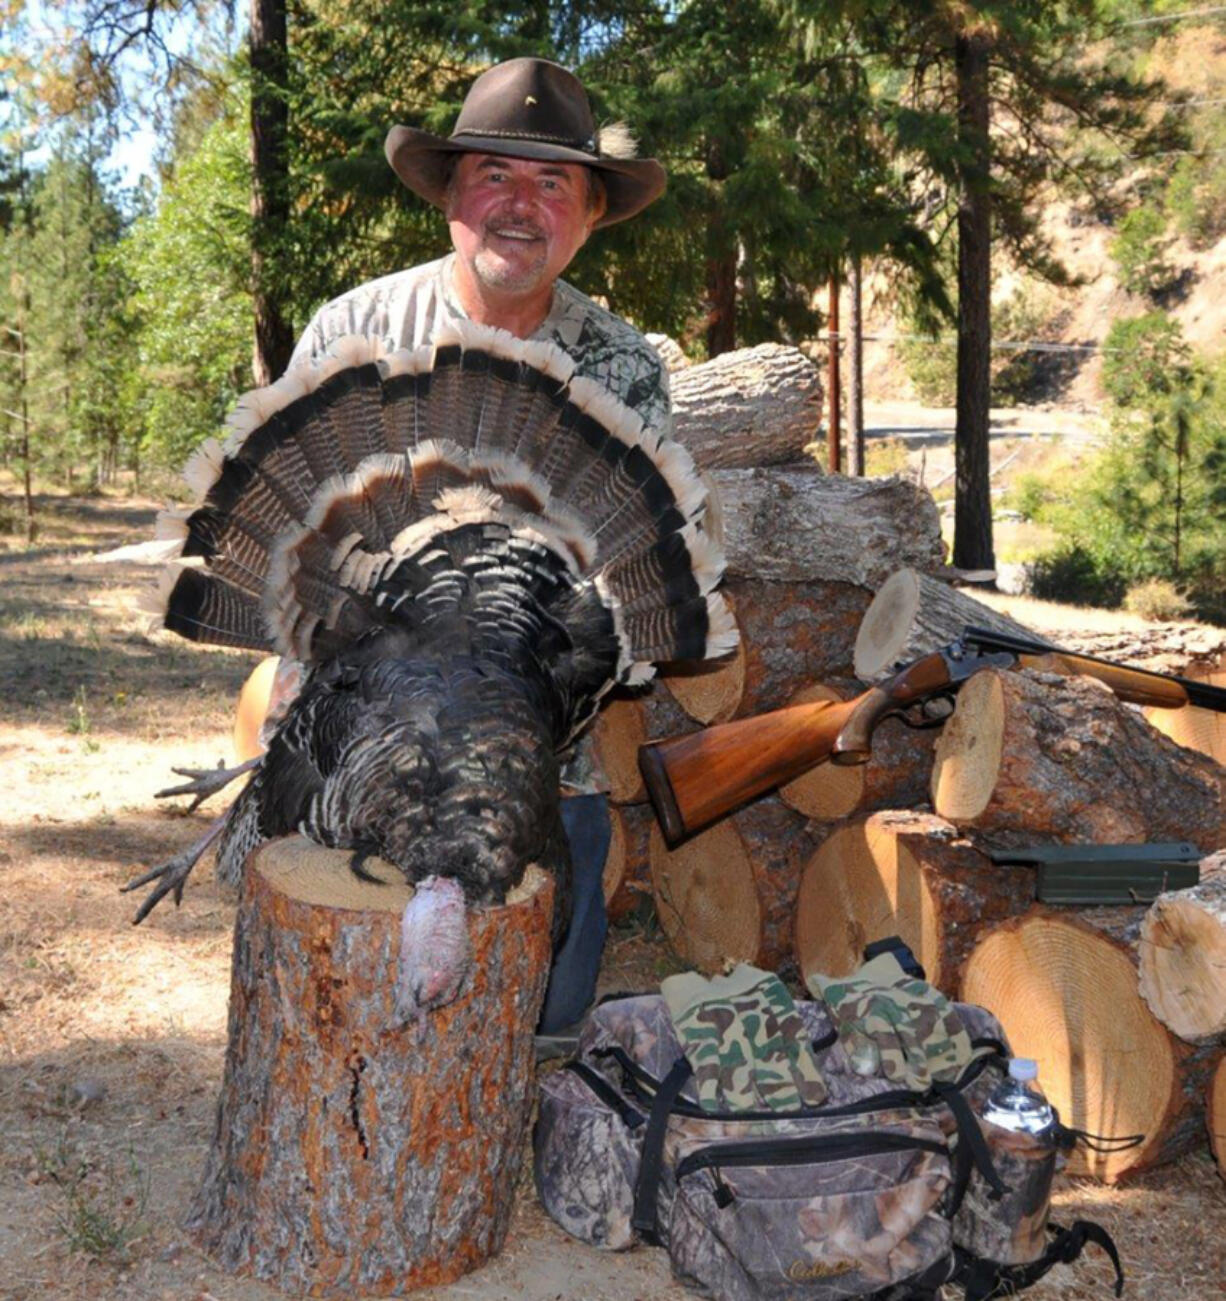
745	1041
895	1025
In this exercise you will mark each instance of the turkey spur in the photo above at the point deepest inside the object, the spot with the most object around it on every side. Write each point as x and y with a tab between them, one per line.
467	545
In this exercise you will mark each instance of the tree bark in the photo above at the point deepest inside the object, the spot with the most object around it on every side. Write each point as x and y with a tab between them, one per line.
973	503
913	614
721	261
795	524
1183	956
1065	990
1031	756
270	210
351	1155
753	406
902	873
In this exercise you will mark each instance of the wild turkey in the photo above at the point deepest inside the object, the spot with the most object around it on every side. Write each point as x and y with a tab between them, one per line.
468	545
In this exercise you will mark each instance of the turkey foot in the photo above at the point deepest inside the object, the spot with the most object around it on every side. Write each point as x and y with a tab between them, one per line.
206	781
172	875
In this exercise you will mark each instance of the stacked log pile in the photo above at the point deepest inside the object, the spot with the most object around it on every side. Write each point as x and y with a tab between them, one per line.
1125	1008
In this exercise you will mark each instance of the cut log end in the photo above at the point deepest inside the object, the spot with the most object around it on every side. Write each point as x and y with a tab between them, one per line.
620	729
1182	952
706	898
969	750
710	692
1215	1115
883	634
1068	998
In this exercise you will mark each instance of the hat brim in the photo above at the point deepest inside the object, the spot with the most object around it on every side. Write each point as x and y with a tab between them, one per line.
421	161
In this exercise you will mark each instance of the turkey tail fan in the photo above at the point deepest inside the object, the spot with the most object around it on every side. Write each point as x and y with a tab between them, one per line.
334	479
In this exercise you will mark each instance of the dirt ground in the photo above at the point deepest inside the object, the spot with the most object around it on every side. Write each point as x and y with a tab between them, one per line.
112	1037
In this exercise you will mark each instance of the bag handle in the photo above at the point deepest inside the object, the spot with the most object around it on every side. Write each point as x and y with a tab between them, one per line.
647	1185
984	1279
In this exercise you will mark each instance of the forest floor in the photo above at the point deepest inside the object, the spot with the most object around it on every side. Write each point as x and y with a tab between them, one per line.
112	1037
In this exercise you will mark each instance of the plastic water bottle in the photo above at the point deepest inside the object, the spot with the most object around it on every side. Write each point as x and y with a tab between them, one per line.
1017	1102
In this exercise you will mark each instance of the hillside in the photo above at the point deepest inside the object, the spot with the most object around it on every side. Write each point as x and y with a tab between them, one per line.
1192	61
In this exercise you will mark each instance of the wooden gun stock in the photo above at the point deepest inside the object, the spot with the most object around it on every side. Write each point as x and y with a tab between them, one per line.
695	779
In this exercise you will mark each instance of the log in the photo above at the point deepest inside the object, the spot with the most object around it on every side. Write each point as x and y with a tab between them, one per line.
1215	1115
349	1156
627	870
729	893
1196	728
902	873
1183	956
1031	756
709	691
252	706
618	732
897	775
671	352
753	406
913	614
794	524
1065	990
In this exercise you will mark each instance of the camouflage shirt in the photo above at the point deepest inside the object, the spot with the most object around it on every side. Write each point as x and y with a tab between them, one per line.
405	310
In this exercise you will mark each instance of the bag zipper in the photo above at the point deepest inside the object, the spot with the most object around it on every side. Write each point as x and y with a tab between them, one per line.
797	1151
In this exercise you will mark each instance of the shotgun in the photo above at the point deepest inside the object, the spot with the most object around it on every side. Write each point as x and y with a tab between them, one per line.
697	778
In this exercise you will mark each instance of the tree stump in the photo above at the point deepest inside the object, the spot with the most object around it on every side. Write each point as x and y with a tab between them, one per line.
348	1157
908	874
896	776
752	406
1183	956
729	893
913	614
1215	1115
1064	987
1034	756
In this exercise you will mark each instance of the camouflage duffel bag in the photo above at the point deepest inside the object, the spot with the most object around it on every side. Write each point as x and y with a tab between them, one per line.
878	1192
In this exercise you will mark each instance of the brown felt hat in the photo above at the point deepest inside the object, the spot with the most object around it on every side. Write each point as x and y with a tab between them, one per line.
529	108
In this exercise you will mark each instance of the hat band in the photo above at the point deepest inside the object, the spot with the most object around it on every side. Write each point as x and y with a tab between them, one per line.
587	146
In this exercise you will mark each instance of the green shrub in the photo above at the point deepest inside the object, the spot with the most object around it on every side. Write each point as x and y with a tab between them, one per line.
1158	600
1073	574
1030	494
885	456
1139	250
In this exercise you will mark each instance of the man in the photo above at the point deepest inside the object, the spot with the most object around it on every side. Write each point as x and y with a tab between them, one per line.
524	179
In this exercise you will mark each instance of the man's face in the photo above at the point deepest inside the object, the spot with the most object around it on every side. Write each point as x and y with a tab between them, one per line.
516	223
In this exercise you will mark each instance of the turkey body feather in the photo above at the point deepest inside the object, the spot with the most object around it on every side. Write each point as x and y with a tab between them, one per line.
467	547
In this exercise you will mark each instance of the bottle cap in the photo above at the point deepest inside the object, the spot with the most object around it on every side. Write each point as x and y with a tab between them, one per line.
1023	1068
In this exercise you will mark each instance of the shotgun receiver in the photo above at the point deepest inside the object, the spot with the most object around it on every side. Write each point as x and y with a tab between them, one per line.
697	778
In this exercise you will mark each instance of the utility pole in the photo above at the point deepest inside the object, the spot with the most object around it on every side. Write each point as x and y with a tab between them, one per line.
832	398
855	376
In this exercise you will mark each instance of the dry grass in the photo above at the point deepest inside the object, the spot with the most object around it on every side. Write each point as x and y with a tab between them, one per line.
112	1038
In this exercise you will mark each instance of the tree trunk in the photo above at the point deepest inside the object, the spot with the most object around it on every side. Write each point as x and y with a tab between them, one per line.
1065	990
754	406
834	462
1030	757
1183	956
973	503
268	46
913	614
352	1155
721	261
908	874
729	893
